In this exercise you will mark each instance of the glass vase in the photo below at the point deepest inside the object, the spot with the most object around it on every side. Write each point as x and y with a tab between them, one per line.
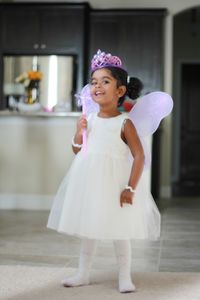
33	92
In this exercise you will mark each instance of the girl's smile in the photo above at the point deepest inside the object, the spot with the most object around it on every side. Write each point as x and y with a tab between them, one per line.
98	93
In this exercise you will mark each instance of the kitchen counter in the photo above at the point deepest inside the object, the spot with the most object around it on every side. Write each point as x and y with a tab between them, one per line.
35	154
8	113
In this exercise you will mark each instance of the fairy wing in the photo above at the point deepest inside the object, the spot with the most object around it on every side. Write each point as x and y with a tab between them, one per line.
146	116
148	112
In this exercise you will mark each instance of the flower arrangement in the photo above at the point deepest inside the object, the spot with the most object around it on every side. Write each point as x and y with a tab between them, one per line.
30	80
26	77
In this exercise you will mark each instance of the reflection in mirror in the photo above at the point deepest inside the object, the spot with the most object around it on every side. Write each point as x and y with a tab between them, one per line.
39	82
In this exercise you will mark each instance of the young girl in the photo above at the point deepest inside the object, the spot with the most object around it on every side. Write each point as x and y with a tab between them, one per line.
101	197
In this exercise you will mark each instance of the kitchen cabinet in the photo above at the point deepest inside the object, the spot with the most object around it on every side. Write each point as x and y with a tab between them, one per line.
62	29
136	36
20	29
42	28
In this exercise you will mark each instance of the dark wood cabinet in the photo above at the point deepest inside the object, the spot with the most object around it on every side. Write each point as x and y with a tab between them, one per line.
42	28
20	29
61	29
134	35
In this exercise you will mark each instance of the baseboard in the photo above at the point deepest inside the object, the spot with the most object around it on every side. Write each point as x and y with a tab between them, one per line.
25	201
165	192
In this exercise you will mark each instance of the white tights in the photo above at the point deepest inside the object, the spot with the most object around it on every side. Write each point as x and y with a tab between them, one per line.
123	254
88	249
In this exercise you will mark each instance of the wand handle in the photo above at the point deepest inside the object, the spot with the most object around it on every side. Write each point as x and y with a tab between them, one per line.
84	132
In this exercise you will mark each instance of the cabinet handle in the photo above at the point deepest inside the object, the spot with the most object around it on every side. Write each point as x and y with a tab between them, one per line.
43	46
35	46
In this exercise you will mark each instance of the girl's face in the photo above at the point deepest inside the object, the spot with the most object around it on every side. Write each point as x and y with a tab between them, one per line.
104	88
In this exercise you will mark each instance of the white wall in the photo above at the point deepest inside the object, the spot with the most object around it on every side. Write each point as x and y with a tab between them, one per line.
35	154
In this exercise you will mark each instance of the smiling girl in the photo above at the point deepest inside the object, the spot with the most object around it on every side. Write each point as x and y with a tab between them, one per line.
101	197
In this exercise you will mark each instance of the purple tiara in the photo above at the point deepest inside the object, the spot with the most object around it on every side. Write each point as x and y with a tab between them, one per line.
101	60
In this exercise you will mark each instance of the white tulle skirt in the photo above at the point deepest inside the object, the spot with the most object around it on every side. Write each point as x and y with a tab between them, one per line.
87	203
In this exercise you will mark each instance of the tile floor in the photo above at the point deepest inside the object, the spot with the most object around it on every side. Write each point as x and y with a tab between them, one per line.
25	240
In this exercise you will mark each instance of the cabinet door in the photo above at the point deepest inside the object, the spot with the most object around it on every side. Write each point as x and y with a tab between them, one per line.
136	37
105	33
61	30
20	29
141	48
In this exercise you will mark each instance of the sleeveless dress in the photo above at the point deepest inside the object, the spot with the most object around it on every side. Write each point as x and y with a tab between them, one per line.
87	203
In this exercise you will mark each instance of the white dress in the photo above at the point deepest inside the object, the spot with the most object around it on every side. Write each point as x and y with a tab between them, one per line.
87	203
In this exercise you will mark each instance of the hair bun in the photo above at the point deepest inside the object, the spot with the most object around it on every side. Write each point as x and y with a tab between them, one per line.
135	87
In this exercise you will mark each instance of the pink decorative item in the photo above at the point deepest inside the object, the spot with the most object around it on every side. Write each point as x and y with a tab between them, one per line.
47	109
85	100
101	60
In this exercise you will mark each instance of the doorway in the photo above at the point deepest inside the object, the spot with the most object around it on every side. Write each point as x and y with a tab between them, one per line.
188	183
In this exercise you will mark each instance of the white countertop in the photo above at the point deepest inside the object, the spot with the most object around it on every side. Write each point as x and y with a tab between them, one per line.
8	113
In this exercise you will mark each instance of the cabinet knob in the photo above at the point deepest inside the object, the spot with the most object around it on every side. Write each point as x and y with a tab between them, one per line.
35	46
43	46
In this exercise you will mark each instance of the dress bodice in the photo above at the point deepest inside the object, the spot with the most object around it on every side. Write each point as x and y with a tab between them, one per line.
104	135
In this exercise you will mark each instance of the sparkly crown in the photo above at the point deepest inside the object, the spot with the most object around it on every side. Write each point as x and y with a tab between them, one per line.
101	60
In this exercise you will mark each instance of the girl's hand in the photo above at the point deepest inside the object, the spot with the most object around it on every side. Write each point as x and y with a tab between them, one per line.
126	197
81	125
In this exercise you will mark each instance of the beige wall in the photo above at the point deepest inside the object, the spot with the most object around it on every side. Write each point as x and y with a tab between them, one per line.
34	153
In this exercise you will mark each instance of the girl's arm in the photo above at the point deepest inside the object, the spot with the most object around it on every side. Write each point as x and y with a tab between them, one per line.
131	138
78	137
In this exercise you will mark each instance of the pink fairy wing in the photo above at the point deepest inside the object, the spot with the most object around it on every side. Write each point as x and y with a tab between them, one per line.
146	116
149	110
